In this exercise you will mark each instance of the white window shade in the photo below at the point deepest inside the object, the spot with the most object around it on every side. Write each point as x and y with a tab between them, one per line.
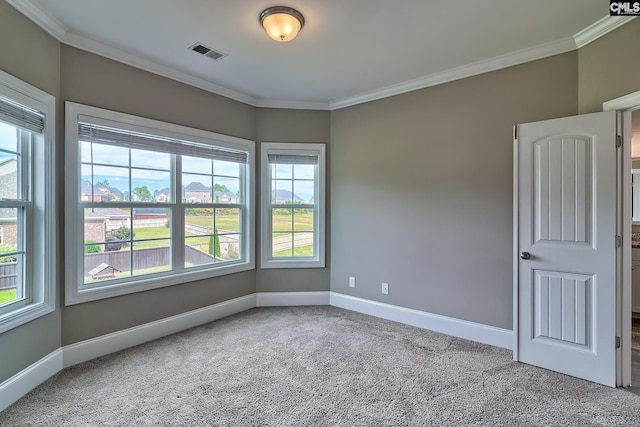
21	116
293	159
121	138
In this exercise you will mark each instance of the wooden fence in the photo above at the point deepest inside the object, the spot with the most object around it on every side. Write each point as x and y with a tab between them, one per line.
7	275
143	258
281	243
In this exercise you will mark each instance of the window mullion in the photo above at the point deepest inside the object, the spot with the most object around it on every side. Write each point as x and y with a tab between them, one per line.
177	216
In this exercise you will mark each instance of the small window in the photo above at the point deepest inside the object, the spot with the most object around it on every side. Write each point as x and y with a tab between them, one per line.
27	192
293	177
152	204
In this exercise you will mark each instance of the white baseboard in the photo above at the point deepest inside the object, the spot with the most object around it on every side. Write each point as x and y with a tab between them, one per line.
279	299
110	343
29	378
447	325
26	380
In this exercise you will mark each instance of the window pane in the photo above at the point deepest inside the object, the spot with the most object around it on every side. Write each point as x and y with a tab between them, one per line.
229	247
226	168
303	244
302	220
282	220
197	188
104	154
304	172
304	191
198	221
147	185
196	165
282	192
199	251
107	236
150	159
151	256
227	190
8	138
110	184
11	260
281	171
106	261
227	220
150	223
281	244
8	176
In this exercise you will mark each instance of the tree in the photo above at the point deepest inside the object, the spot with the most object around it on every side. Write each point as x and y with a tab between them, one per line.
103	183
214	244
122	233
220	187
142	194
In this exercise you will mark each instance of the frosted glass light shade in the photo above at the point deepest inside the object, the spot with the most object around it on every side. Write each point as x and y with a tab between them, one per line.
281	23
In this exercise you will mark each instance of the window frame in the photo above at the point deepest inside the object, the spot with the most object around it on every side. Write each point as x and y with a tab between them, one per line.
76	290
292	148
40	237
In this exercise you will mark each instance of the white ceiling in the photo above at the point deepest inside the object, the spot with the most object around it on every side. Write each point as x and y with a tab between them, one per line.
349	51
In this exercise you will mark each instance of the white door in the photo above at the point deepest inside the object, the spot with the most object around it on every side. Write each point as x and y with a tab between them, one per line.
566	244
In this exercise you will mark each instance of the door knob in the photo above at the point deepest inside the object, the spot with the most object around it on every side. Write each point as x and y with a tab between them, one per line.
525	255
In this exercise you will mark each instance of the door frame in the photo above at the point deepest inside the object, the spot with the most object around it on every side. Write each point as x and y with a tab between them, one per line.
624	105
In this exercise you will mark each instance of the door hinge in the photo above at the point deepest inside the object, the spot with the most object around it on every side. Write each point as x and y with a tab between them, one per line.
617	342
618	141
515	132
618	242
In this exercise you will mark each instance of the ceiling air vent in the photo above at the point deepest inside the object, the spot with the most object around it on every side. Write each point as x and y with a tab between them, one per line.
207	51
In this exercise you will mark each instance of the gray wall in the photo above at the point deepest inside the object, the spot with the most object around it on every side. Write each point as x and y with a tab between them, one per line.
101	82
280	125
30	54
421	189
609	67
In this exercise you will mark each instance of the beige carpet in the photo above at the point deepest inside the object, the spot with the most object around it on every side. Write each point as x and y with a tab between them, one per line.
316	366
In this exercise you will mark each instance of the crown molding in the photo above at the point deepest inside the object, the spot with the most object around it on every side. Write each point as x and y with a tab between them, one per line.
41	18
599	29
292	105
137	61
622	103
480	67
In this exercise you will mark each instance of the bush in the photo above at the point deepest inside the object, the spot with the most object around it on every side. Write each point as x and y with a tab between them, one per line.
6	249
90	247
122	233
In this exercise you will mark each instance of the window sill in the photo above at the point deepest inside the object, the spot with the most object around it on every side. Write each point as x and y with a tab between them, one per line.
152	282
288	263
23	315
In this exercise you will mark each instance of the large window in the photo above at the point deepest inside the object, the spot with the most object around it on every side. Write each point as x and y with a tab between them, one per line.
27	208
152	204
293	205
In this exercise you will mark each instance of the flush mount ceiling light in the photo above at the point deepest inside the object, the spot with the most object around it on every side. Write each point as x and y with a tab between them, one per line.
281	23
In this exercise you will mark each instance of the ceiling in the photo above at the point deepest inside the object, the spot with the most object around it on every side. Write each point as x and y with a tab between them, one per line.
349	51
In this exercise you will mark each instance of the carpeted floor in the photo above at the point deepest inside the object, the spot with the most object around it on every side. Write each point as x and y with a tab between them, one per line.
302	366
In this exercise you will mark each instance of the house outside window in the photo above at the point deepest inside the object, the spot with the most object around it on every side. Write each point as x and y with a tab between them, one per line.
293	192
146	206
27	208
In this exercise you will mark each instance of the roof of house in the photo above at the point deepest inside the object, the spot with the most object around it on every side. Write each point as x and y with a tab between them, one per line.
284	195
197	186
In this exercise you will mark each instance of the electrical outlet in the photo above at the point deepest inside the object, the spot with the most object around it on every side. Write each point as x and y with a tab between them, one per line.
385	288
352	282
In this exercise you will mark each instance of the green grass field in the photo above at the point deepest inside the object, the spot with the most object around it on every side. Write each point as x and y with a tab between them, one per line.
299	251
7	295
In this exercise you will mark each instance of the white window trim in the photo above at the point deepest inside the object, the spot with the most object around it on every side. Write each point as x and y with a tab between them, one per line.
73	217
266	260
43	248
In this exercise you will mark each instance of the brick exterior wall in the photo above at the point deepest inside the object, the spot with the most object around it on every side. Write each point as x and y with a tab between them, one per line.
9	233
94	230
